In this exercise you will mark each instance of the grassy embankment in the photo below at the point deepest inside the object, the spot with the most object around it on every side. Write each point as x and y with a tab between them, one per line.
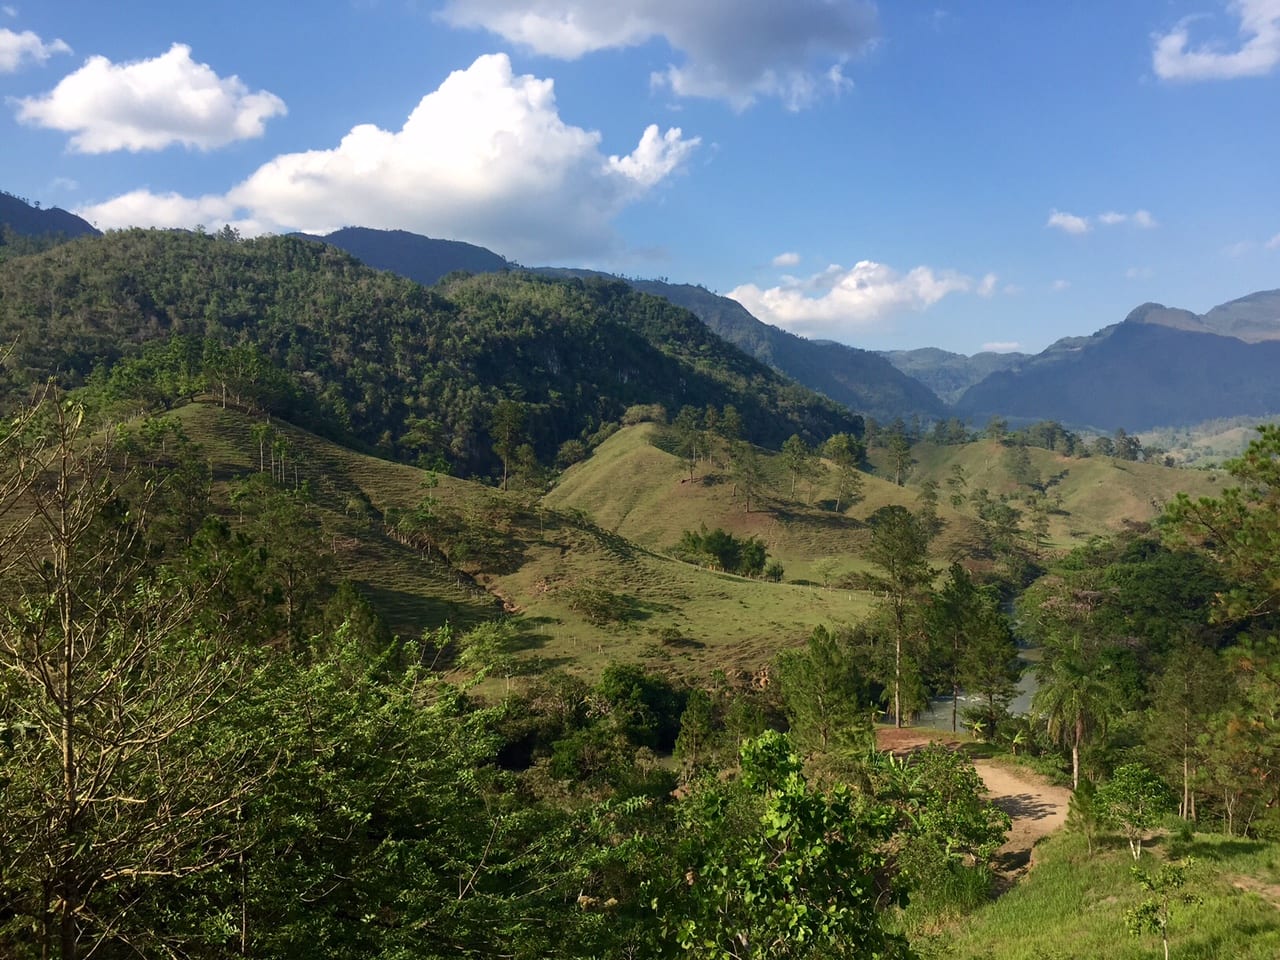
1073	905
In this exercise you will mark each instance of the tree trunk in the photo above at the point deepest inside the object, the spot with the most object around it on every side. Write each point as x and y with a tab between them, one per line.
897	680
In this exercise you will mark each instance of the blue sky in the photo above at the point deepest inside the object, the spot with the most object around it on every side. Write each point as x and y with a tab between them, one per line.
888	175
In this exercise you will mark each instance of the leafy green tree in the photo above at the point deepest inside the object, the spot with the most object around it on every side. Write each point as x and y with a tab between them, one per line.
1155	914
1083	815
974	647
899	456
507	427
900	551
767	867
688	431
1135	800
845	453
797	455
748	473
825	695
1191	690
1240	530
1076	698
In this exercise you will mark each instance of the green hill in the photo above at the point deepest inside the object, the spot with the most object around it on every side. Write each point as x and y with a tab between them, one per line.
582	595
308	333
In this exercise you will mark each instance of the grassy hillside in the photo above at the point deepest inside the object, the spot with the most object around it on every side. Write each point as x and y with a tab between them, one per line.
1098	495
1073	905
634	488
582	596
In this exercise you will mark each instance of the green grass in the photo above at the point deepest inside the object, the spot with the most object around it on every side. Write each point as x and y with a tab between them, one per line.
1072	904
547	553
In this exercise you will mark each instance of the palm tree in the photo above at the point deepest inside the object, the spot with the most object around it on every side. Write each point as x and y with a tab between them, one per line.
1076	697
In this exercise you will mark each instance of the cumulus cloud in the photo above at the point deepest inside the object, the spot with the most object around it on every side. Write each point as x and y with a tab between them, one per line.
841	303
150	105
1001	346
485	158
1256	49
1067	222
788	259
734	50
17	49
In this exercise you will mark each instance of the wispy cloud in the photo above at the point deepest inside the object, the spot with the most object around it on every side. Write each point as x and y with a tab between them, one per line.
1059	285
17	49
1139	273
1256	50
1274	242
1067	222
788	259
1073	224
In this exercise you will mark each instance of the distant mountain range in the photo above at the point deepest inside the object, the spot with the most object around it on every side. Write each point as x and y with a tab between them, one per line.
1161	366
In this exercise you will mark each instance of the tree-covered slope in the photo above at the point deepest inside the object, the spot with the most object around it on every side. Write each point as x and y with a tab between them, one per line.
404	369
950	374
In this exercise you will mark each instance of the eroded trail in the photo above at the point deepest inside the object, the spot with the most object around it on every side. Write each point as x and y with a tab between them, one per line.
1037	808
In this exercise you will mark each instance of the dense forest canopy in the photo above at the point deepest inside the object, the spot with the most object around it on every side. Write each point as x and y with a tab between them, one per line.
378	357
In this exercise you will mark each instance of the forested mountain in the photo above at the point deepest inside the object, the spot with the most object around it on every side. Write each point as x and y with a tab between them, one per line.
1149	371
419	258
859	379
307	332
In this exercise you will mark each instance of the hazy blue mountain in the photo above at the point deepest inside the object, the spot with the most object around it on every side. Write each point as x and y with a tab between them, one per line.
32	221
410	255
1160	367
948	374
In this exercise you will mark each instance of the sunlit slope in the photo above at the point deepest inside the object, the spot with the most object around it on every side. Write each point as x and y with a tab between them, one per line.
643	493
1092	495
536	562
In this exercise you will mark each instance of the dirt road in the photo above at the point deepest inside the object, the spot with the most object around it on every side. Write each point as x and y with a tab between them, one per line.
1036	808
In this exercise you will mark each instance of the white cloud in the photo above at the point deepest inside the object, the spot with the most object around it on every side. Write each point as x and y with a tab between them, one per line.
1256	52
1144	219
1070	223
485	158
17	48
150	105
9	11
1059	285
787	259
987	286
1139	273
1238	249
1001	346
841	303
1274	242
734	50
1067	222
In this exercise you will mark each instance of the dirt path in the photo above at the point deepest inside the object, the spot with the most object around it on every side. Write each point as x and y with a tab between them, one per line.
1036	808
